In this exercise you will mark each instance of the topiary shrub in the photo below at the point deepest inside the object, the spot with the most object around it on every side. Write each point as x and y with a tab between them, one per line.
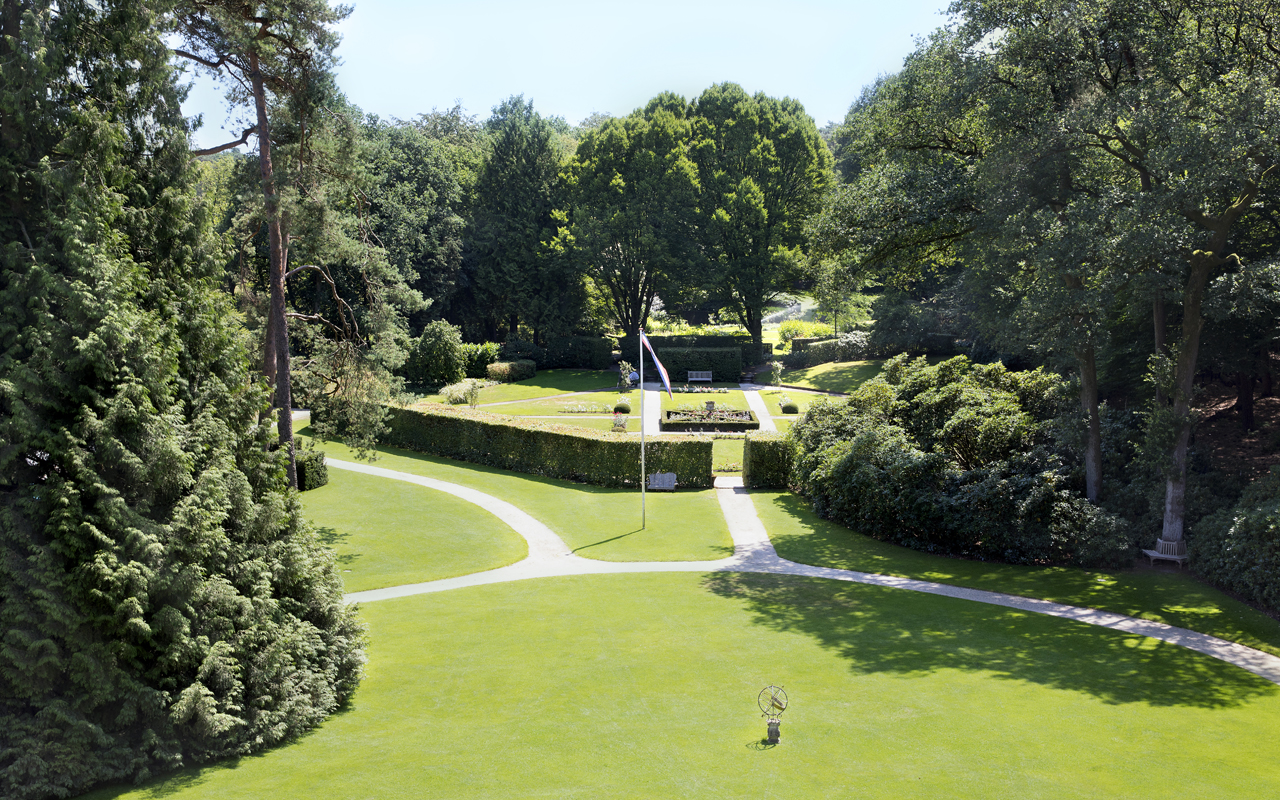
543	448
312	472
766	461
623	406
1239	548
511	371
787	405
437	358
478	357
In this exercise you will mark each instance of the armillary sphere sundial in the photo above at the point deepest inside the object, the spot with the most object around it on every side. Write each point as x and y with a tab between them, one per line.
773	701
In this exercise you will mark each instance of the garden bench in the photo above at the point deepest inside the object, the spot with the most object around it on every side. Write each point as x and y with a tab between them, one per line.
699	375
662	482
1152	555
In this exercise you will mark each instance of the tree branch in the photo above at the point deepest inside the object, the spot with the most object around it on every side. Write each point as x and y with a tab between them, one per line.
244	137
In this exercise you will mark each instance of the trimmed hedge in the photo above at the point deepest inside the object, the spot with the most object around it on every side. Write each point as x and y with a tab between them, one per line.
583	352
725	363
725	426
511	371
800	344
312	472
766	461
542	448
628	345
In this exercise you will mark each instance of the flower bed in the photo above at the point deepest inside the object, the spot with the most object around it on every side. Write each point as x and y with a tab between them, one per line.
721	420
699	390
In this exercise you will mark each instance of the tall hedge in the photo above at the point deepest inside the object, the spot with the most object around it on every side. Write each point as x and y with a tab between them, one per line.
766	461
582	352
725	363
542	448
630	345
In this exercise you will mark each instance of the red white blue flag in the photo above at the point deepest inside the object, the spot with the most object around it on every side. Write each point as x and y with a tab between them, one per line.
644	340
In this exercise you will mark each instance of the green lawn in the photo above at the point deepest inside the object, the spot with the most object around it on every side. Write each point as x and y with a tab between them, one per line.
554	405
600	523
734	398
784	423
545	384
802	399
838	376
645	686
1170	597
388	533
726	452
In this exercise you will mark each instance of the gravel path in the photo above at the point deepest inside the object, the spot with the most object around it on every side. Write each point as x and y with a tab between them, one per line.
549	556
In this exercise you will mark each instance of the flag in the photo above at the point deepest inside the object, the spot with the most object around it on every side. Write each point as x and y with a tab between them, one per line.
644	340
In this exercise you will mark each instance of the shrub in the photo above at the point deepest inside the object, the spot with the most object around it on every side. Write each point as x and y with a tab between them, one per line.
519	350
787	405
511	371
855	346
542	448
794	328
1239	548
766	461
437	358
478	357
465	391
623	406
951	459
312	472
582	352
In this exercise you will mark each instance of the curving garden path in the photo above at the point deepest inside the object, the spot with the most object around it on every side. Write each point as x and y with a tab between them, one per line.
549	557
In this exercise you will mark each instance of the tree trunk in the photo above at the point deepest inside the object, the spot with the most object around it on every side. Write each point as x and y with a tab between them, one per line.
277	324
513	326
1264	372
1158	317
1088	364
1244	399
1202	264
755	328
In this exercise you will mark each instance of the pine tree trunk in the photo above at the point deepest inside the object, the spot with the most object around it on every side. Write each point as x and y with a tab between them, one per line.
1088	364
1244	399
277	324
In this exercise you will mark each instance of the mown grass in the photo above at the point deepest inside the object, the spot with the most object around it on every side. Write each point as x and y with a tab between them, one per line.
802	400
838	376
734	398
595	521
1170	597
545	384
726	453
388	533
557	404
645	686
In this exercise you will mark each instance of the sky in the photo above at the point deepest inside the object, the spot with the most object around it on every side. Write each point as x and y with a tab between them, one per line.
402	58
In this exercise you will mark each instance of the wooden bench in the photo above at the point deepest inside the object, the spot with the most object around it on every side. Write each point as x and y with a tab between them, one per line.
1168	551
662	482
697	375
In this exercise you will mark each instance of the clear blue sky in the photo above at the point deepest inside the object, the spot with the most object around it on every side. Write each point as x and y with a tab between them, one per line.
401	58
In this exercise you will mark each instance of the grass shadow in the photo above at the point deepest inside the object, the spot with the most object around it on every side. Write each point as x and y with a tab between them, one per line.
877	629
606	541
332	538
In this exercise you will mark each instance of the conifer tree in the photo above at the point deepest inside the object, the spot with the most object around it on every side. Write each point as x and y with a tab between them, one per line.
161	601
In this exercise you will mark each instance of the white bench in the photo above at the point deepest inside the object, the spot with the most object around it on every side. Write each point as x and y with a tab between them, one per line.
662	482
1168	551
696	375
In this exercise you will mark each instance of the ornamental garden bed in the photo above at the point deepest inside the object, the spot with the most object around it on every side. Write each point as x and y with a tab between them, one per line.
722	420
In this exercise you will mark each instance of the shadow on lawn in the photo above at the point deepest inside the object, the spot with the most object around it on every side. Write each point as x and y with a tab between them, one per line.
331	538
878	629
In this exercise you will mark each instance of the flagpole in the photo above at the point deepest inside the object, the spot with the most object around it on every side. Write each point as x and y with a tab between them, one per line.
640	345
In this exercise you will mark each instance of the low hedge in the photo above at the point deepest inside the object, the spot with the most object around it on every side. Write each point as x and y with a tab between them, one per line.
800	344
511	371
766	461
724	426
543	448
312	472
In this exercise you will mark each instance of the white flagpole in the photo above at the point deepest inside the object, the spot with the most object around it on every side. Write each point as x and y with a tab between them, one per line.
640	342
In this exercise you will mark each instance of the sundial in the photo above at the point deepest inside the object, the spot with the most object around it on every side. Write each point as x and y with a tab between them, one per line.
773	701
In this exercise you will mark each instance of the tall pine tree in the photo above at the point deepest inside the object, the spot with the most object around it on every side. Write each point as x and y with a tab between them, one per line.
161	601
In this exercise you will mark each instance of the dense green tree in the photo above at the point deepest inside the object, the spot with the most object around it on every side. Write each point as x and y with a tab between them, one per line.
516	276
764	169
161	600
632	197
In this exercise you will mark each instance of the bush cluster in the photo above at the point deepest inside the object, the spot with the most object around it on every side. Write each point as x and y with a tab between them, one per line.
794	328
464	391
478	357
954	459
511	371
1238	548
853	346
766	461
312	472
542	448
437	358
